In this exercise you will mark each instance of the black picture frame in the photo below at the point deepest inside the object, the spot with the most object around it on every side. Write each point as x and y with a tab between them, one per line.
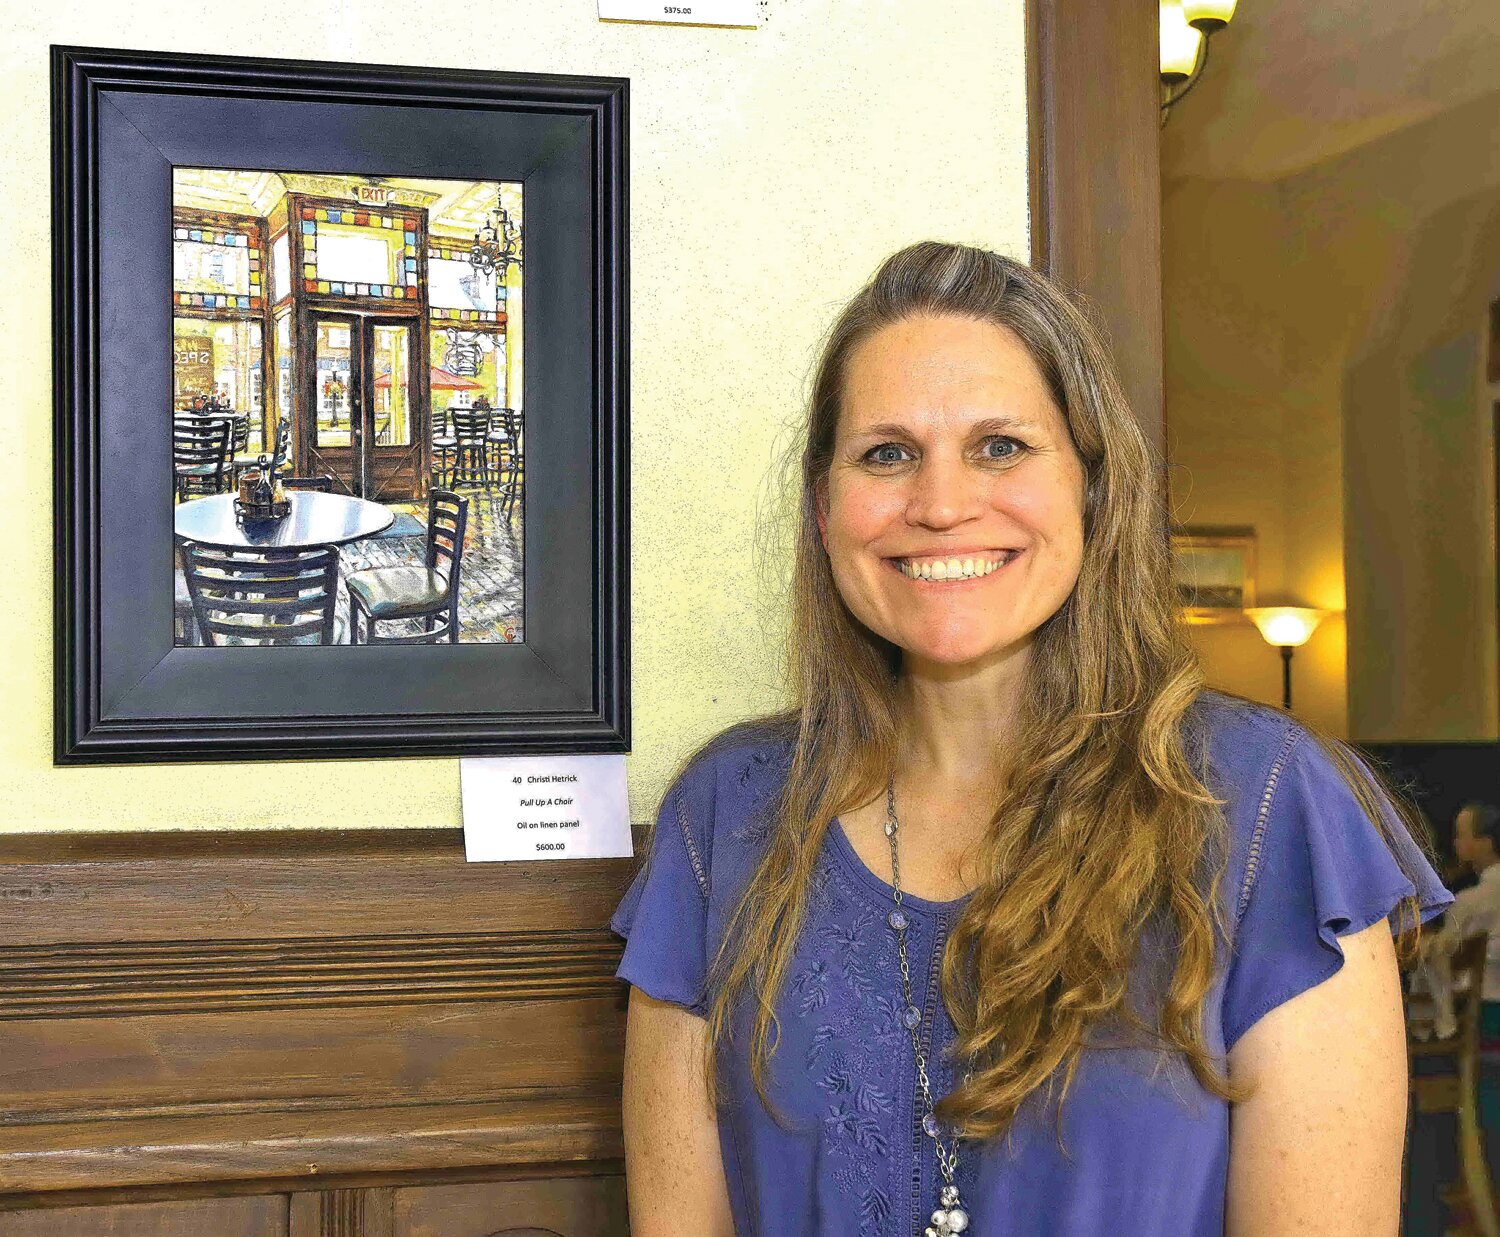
124	692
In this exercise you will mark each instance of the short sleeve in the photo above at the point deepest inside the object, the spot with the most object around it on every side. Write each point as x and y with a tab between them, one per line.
664	913
1318	869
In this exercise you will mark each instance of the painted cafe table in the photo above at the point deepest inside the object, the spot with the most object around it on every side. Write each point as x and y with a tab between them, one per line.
315	519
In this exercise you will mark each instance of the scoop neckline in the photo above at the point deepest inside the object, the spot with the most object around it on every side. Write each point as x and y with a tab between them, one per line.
881	887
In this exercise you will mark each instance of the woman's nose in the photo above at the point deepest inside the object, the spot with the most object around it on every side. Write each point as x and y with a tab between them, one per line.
944	492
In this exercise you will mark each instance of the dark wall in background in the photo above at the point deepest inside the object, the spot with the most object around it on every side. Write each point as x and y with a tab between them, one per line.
1441	778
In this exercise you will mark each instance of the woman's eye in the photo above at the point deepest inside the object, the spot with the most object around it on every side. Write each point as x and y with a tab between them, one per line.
1015	445
885	453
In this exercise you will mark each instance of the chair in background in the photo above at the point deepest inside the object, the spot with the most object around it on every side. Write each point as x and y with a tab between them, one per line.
262	596
283	449
444	449
279	453
324	484
428	593
239	444
471	431
505	442
278	445
200	451
1457	1091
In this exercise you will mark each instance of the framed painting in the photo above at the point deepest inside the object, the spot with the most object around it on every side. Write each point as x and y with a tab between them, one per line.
341	409
1213	571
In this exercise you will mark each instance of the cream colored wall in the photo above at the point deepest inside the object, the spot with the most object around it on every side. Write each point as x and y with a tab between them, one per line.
1418	467
1355	293
769	172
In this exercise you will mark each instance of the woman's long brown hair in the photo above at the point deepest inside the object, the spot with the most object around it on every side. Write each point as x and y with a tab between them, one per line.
1104	825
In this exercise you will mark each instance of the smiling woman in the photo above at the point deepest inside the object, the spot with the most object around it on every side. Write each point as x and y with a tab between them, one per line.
1004	919
952	462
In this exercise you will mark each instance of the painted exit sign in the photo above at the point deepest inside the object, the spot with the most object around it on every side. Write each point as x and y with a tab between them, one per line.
373	195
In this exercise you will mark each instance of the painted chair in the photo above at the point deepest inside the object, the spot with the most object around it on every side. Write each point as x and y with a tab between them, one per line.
471	430
428	593
266	596
444	449
504	442
200	453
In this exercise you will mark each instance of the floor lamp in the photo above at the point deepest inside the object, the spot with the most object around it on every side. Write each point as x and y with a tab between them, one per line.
1287	627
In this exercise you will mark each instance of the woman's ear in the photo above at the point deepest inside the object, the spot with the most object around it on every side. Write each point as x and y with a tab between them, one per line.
820	507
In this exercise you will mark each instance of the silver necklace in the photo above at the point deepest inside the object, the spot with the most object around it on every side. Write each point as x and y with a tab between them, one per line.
951	1216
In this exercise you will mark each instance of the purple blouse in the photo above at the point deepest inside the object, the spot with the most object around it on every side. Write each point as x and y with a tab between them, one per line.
1147	1149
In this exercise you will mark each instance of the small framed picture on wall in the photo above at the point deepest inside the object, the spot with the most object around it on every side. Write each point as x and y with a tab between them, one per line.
341	409
1213	571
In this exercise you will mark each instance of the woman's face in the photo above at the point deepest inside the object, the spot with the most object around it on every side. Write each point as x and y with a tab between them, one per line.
953	510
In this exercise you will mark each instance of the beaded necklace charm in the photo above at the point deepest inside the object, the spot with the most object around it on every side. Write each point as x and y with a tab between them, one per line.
951	1216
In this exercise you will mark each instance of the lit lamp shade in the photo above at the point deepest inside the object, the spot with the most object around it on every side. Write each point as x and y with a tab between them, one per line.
1179	43
1207	15
1285	626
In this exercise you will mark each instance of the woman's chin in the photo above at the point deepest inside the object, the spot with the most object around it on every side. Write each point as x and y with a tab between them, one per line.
960	653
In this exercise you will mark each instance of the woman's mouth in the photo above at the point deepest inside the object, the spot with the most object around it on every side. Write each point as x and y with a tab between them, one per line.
955	569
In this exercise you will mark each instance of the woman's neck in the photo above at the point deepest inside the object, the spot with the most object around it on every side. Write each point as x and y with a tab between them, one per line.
956	724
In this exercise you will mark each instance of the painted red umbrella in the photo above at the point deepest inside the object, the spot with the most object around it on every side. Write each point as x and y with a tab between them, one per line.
442	380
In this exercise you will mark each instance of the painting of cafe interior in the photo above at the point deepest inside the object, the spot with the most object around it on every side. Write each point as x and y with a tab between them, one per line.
348	421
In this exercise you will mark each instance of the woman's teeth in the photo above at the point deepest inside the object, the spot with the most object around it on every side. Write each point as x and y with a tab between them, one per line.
951	568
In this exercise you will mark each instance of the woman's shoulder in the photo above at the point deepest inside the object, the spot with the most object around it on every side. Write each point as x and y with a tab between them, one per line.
725	795
1317	851
1240	737
1304	842
1257	756
1245	752
742	761
1238	746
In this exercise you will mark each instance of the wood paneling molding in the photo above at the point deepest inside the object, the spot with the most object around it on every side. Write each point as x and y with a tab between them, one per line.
1094	102
196	1007
98	979
287	883
297	1146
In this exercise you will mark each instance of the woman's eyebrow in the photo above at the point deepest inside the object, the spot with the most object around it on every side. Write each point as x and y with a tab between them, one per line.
888	429
1007	423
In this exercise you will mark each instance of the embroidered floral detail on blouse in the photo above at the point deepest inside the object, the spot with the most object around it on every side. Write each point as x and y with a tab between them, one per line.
760	756
852	1055
761	773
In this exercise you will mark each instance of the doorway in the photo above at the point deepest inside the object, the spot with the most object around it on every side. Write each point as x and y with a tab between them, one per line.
364	421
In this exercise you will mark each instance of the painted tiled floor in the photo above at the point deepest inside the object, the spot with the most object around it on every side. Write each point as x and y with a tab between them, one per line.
489	584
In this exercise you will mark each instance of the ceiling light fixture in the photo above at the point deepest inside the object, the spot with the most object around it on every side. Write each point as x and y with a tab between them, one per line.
497	245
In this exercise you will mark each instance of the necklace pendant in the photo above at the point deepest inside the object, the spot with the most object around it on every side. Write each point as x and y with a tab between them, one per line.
948	1220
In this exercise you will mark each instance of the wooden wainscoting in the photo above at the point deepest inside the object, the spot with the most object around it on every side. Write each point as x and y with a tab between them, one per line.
306	1033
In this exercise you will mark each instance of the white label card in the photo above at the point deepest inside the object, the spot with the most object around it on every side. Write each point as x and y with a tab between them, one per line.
545	807
686	12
